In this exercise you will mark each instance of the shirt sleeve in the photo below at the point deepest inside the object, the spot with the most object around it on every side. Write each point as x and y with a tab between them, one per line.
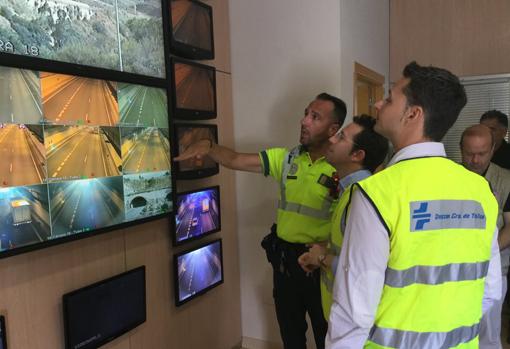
359	278
272	162
493	286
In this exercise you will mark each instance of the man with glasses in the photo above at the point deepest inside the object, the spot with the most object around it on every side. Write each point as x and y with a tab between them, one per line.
420	259
355	151
304	212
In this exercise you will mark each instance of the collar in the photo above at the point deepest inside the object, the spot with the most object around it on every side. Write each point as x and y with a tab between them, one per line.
418	150
354	177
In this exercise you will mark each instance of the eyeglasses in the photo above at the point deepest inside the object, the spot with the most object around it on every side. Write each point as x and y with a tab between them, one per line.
340	136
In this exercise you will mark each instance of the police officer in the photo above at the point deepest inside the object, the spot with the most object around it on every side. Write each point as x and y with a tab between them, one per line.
355	151
304	212
421	239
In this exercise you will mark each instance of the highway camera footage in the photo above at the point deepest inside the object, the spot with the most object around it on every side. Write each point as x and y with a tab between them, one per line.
191	24
142	106
197	214
24	216
147	194
70	162
145	149
71	99
77	152
119	35
81	206
199	269
194	87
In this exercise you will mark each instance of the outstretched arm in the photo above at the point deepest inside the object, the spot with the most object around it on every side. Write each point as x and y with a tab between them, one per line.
224	156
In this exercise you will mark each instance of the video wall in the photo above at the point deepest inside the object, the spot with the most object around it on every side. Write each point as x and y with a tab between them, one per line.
79	154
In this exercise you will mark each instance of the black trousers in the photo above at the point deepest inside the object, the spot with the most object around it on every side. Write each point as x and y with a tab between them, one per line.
295	294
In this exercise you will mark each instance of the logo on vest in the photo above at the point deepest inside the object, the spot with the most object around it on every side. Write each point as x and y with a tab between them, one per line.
293	169
446	214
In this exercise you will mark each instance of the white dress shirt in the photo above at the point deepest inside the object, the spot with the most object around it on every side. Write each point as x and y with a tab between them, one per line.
359	278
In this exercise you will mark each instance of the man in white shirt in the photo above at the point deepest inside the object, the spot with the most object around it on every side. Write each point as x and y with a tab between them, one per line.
406	256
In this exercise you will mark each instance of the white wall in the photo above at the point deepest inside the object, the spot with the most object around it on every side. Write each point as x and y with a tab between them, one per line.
283	53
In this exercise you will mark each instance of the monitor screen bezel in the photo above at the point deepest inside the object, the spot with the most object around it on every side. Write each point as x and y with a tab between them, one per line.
4	333
66	296
192	114
189	51
197	173
44	65
179	302
194	238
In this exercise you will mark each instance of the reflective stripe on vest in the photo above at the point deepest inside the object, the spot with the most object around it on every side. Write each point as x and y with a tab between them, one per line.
392	338
322	213
435	275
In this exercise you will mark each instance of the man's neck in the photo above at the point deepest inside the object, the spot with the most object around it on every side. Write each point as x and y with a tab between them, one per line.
318	151
343	170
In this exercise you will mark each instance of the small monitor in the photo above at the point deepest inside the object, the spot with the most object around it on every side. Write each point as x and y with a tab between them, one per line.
197	214
186	135
194	90
197	271
192	29
3	333
101	312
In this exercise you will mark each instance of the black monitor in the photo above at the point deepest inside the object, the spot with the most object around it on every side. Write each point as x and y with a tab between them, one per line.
197	214
186	135
193	90
98	313
192	29
3	333
197	271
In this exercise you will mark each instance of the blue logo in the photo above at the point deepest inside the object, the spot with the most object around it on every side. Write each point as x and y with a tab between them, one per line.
421	215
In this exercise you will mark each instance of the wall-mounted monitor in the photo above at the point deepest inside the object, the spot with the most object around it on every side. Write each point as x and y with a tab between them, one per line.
3	333
197	214
197	271
186	135
97	314
124	36
193	90
80	156
192	29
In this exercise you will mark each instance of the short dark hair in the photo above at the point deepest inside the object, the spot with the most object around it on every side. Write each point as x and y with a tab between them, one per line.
339	107
501	117
374	145
439	93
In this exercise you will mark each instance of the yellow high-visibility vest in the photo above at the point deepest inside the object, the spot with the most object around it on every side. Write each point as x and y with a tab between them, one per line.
305	206
441	220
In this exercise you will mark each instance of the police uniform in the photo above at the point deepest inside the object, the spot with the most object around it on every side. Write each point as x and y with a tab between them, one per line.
419	260
304	214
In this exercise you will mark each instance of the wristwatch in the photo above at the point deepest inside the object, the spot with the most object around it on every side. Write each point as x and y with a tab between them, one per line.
321	258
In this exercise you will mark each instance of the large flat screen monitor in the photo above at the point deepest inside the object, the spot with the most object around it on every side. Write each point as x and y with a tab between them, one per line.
192	29
79	156
125	36
193	90
197	214
97	314
186	135
197	271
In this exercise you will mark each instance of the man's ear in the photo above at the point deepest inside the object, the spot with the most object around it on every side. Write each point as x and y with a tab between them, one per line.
358	156
415	114
333	128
